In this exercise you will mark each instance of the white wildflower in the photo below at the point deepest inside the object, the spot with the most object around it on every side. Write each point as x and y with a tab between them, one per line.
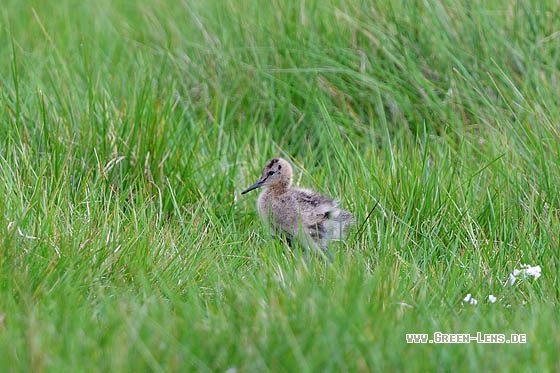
469	299
492	298
533	271
525	271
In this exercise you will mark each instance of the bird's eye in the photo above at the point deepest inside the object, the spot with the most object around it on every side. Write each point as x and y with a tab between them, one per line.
270	173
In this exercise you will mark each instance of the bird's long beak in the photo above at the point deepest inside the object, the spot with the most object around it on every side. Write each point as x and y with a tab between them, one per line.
258	184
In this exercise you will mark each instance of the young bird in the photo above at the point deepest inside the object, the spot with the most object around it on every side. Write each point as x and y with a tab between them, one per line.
298	213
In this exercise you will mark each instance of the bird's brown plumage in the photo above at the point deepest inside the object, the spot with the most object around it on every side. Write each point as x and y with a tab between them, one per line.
298	213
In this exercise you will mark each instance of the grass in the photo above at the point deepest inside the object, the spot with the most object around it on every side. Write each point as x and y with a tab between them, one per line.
128	130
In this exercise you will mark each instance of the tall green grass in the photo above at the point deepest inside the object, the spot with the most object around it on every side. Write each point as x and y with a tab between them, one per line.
128	130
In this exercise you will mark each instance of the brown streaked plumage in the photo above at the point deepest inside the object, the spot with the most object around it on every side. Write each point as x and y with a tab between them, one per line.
298	213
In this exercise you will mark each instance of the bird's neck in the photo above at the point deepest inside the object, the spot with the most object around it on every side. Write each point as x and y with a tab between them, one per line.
279	188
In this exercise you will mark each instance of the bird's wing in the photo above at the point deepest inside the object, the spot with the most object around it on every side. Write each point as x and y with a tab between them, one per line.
313	204
321	215
315	210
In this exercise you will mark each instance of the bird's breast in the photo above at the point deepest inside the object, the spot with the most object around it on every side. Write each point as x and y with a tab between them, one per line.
281	209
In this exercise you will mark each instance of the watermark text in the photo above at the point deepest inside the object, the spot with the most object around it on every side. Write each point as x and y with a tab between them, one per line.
479	337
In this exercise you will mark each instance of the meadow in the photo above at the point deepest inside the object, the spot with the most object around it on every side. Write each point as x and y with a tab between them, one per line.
129	129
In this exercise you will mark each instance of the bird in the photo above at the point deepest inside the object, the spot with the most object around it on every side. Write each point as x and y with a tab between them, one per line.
311	218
